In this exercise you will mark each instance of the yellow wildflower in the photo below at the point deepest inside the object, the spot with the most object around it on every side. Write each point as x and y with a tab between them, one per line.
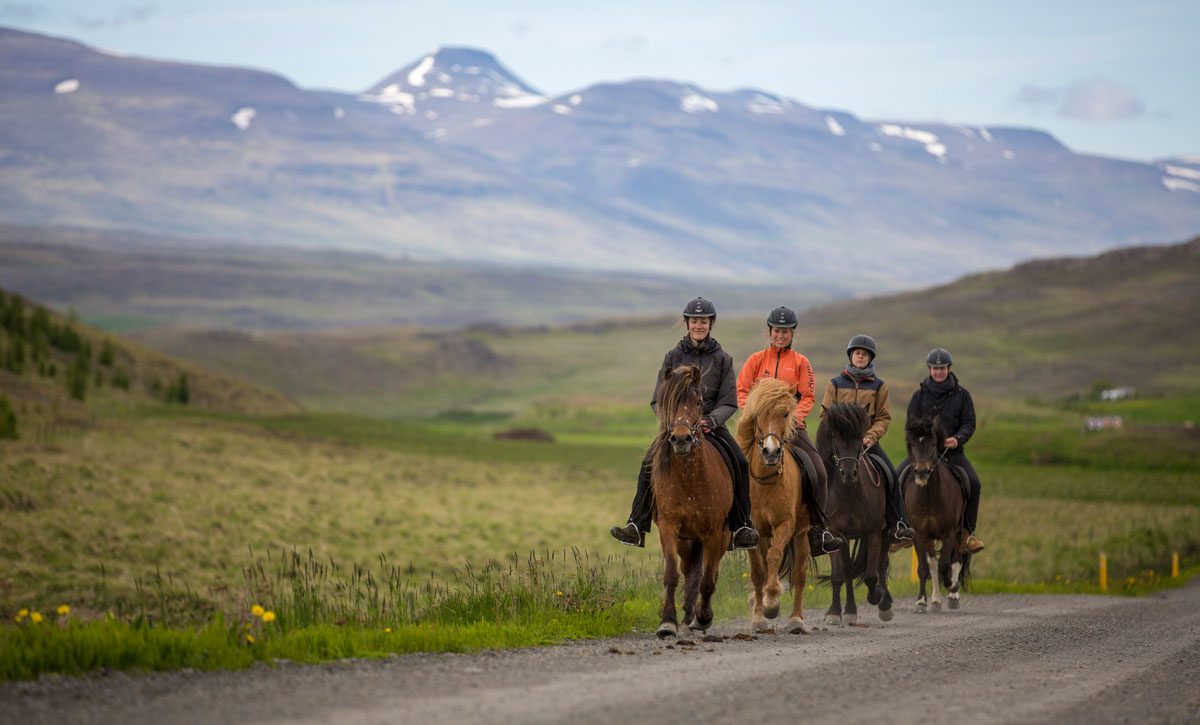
257	610
558	593
36	617
268	616
250	638
64	610
387	629
23	613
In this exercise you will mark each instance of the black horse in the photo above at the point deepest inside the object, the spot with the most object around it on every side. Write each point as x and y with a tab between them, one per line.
857	497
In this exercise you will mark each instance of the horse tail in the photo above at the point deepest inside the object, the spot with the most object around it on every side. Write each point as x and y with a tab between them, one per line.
858	563
785	564
964	576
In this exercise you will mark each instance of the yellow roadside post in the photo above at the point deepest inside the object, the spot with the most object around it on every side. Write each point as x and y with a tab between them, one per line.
1174	564
1103	573
913	576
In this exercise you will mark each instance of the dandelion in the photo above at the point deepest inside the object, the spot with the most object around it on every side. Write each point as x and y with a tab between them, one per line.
64	610
268	616
250	638
558	593
387	629
744	575
36	617
257	610
23	613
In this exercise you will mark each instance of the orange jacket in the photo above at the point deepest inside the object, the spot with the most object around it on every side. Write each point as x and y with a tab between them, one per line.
786	365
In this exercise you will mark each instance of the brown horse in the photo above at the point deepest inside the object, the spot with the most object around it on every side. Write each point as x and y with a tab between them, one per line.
779	513
855	507
693	491
935	507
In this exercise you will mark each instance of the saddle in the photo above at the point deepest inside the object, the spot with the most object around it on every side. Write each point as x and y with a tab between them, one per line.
883	469
805	461
727	455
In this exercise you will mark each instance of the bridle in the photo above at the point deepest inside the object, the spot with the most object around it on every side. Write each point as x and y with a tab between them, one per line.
932	466
861	458
762	441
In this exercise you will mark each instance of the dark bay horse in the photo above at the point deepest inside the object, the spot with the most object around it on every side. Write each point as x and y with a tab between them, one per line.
855	505
779	513
935	508
693	492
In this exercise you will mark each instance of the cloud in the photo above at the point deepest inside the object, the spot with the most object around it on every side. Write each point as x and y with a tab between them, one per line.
634	43
21	11
127	15
1095	99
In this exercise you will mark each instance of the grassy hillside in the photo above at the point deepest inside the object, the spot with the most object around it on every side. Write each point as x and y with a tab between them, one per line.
1046	329
57	372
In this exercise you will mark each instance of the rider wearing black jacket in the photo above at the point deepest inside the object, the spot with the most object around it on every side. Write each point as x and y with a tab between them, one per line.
719	402
940	396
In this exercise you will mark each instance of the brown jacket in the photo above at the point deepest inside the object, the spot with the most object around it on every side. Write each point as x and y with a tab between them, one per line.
871	393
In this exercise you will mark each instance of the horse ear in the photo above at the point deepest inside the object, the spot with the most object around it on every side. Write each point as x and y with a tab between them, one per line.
694	372
668	373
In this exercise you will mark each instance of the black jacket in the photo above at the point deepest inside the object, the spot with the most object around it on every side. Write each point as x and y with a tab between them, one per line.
953	408
717	376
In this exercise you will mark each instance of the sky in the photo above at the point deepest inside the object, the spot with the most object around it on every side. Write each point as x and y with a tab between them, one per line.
1118	79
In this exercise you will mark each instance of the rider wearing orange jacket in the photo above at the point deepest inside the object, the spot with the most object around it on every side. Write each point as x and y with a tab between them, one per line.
780	361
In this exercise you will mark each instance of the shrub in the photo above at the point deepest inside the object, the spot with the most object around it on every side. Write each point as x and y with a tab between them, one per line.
120	379
106	354
77	378
178	392
14	359
8	419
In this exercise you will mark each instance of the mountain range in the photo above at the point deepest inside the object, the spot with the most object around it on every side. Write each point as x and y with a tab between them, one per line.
453	157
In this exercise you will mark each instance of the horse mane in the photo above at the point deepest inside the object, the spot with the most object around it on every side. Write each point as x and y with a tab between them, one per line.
769	398
919	427
679	387
844	420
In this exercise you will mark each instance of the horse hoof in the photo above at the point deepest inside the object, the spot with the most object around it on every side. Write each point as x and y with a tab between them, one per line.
700	625
833	619
921	608
885	615
666	629
797	626
852	619
935	607
873	596
771	612
761	625
953	603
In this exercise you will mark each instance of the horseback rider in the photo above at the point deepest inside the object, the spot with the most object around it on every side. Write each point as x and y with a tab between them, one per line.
780	361
719	402
859	385
940	396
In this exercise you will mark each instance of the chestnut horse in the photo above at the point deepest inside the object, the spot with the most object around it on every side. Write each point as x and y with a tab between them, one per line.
780	515
855	507
693	491
935	507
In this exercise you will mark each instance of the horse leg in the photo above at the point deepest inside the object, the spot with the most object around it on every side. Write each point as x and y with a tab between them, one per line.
871	578
800	551
758	576
955	570
714	549
690	564
833	615
669	624
781	538
931	564
920	546
885	596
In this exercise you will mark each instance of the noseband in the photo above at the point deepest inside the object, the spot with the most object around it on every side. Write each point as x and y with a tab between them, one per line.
762	441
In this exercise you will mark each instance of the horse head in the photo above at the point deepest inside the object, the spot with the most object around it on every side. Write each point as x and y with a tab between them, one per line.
768	420
923	437
680	408
840	438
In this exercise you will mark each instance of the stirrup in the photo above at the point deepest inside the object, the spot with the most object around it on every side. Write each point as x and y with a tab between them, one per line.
733	540
830	542
622	534
901	533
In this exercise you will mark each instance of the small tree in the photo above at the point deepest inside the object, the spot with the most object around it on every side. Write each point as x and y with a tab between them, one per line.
106	354
77	378
8	419
120	379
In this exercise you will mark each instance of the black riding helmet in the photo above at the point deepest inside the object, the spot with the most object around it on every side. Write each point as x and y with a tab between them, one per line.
782	317
938	357
861	342
700	307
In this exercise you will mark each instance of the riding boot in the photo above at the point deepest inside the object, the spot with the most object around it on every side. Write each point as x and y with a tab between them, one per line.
971	518
896	517
744	534
633	533
820	539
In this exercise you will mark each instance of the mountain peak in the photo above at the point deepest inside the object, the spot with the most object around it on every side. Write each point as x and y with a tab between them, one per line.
449	76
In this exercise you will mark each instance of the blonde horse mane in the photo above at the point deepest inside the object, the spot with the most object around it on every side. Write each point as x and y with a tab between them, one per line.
769	398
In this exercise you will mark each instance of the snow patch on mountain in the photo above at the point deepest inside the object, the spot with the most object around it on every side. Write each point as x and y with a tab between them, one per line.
1182	171
761	104
835	128
243	117
927	138
1174	184
693	102
67	86
416	77
983	133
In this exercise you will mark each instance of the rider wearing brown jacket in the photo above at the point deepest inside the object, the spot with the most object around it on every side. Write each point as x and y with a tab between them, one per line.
859	385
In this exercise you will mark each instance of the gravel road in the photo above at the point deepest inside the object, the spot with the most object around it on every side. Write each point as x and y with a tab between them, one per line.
1006	658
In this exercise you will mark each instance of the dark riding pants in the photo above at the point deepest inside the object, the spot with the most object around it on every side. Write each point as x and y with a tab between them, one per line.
739	515
815	492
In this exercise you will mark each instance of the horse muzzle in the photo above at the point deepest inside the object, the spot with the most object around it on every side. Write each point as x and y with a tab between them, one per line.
848	471
921	476
771	457
682	446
